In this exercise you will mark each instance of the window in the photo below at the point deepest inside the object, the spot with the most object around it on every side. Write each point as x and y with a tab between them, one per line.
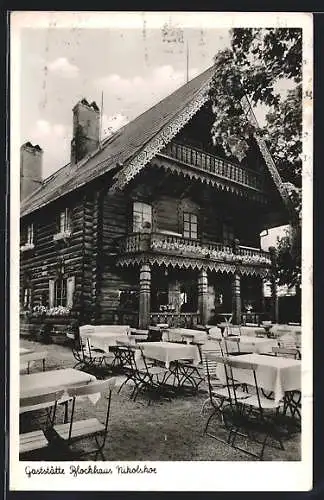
27	298
190	225
142	217
30	234
65	221
228	233
61	291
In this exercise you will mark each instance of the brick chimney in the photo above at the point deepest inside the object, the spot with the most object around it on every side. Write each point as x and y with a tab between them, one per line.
86	123
31	159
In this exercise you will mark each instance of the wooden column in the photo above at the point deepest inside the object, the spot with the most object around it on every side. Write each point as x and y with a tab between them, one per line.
144	297
236	299
274	291
275	302
203	295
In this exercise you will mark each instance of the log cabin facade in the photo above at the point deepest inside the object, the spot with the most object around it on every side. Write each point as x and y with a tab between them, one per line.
153	225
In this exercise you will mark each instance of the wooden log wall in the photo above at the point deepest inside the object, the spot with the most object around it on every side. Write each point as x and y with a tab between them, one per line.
40	264
116	214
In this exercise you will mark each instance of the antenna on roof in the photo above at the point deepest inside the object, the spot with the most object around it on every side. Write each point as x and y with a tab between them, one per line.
187	62
101	113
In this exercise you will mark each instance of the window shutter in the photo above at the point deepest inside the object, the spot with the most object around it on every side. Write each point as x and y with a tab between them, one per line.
70	291
51	292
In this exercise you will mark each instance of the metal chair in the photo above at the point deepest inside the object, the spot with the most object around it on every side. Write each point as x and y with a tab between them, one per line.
35	440
31	357
221	395
293	353
151	379
234	330
76	430
254	414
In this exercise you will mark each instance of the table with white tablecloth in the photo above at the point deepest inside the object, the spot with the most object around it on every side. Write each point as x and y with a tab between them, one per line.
166	352
184	335
54	380
275	374
106	340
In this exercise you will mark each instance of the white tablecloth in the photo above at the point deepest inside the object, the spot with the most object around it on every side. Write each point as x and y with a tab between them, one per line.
23	350
273	373
166	352
105	340
44	382
249	344
184	334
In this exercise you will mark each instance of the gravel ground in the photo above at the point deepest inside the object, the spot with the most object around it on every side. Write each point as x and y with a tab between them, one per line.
165	430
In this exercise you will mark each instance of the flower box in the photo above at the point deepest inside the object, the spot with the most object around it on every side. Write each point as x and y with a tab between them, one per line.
63	235
27	246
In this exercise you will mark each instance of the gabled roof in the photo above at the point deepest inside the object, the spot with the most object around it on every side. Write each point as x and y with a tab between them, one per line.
123	146
130	149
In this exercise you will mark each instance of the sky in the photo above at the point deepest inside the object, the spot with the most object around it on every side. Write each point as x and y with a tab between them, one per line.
131	68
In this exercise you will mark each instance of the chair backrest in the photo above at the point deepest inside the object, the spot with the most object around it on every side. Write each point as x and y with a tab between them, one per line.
211	351
236	363
37	399
286	352
233	342
234	329
126	354
33	356
97	386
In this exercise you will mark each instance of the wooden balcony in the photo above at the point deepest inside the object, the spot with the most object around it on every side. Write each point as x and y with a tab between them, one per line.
137	243
213	165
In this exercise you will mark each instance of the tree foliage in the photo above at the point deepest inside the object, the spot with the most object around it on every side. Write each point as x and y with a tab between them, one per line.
266	66
288	266
259	64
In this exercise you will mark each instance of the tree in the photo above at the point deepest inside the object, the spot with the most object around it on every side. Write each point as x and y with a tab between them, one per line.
288	266
259	63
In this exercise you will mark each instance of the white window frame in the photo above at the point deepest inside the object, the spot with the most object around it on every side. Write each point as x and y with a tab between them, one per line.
65	221
190	220
27	297
64	225
30	234
142	215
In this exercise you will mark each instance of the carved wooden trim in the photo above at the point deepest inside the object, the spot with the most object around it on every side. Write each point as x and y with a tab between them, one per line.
160	140
187	263
247	108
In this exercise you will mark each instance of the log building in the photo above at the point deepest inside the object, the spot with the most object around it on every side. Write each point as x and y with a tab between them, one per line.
155	224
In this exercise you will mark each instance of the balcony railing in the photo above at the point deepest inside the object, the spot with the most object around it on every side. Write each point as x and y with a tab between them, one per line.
214	165
177	245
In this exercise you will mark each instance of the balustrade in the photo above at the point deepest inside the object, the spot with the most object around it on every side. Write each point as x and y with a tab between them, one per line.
179	320
214	165
178	245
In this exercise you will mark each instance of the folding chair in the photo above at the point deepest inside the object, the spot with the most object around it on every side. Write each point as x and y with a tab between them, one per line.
35	440
234	330
126	358
78	354
150	378
77	430
31	357
94	358
253	414
211	348
293	353
222	393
